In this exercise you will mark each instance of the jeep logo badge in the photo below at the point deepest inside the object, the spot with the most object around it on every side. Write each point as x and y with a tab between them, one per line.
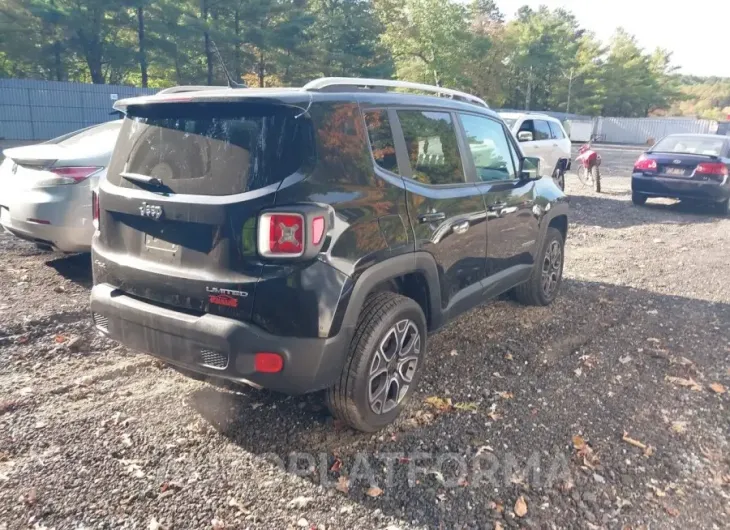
150	210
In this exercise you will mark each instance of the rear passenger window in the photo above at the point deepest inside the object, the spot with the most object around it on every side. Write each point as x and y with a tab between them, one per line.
556	130
542	130
489	147
381	139
432	149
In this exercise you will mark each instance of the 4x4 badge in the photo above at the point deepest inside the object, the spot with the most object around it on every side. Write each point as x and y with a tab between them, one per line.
150	210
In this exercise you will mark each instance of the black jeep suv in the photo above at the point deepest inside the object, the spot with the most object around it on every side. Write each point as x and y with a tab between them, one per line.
307	239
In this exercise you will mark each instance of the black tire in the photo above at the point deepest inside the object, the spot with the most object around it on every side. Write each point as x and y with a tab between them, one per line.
638	199
350	399
533	291
559	176
596	178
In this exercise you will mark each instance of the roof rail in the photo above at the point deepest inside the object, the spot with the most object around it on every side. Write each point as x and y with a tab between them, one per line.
189	88
334	83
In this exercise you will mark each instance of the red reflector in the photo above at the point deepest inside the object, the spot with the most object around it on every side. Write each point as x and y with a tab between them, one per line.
39	221
317	230
76	173
268	362
712	168
645	164
286	234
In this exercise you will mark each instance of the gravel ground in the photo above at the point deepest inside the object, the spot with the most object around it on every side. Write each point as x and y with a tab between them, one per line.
598	412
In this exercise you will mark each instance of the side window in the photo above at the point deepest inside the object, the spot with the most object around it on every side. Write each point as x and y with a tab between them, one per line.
528	126
432	149
542	130
381	139
556	130
514	154
489	147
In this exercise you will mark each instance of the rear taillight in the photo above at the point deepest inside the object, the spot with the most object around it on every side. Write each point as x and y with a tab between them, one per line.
645	164
292	234
74	175
95	209
65	175
715	170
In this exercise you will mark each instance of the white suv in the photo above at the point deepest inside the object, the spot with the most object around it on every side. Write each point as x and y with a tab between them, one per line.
543	137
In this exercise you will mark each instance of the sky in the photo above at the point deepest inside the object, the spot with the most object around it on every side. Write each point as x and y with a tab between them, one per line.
695	31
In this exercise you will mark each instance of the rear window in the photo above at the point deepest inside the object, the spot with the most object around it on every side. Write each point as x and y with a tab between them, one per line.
695	145
212	149
93	136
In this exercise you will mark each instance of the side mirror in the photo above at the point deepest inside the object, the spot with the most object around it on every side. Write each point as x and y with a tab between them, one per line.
530	168
525	136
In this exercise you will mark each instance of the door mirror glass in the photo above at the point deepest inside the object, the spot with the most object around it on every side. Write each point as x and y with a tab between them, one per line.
525	136
530	168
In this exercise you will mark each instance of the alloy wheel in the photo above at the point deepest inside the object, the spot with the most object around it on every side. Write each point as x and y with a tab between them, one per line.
552	268
393	366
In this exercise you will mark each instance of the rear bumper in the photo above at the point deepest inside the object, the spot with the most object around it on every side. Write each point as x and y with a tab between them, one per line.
216	345
678	188
65	209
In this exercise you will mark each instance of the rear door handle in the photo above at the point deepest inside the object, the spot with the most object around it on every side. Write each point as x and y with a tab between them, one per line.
432	217
461	228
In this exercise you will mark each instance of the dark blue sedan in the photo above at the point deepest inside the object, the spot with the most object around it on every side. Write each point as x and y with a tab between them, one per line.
685	166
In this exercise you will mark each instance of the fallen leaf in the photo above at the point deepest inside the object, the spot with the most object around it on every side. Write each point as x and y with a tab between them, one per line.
624	360
343	484
679	426
648	451
440	404
374	491
578	372
688	383
60	338
509	356
498	526
671	511
718	388
578	442
494	416
336	466
466	406
22	340
520	507
657	491
505	395
454	353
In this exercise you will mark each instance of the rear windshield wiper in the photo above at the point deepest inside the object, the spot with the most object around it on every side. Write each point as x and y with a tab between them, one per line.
138	178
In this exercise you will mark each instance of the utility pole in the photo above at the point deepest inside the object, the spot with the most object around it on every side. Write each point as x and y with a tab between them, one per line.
529	90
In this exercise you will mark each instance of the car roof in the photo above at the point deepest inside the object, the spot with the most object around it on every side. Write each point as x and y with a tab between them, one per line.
517	115
301	97
697	135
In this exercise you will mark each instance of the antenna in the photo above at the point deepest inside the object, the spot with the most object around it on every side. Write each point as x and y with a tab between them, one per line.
231	82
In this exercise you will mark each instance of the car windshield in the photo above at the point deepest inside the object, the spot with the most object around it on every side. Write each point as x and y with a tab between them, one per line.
694	145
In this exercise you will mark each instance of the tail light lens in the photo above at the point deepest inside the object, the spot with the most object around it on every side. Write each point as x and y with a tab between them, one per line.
715	170
281	235
95	209
66	175
296	234
645	164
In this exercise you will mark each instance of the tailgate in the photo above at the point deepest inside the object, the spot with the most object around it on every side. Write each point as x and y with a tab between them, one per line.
178	207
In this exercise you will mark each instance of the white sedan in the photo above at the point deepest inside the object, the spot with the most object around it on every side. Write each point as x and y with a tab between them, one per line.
45	189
